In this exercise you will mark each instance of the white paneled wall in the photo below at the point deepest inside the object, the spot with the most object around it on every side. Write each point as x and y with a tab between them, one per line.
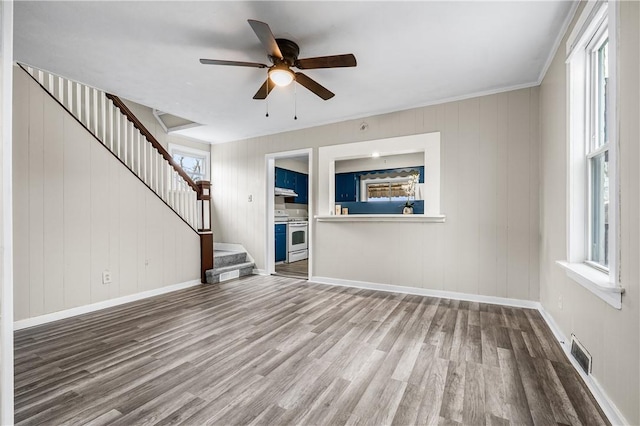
610	335
489	243
79	211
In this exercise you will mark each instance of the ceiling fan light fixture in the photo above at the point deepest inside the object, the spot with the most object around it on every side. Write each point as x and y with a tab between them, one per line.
281	76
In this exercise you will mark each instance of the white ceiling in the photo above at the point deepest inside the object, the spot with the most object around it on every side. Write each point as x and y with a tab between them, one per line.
409	54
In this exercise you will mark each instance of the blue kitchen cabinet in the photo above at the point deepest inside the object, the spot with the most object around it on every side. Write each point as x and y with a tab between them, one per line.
280	177
281	242
285	178
302	189
298	182
346	187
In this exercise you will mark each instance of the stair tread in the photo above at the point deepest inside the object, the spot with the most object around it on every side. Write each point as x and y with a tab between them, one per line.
223	253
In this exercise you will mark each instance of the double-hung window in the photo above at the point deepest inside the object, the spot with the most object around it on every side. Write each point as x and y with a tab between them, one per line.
591	184
597	150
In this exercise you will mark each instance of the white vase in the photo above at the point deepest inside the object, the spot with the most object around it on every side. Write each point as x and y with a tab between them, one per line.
407	210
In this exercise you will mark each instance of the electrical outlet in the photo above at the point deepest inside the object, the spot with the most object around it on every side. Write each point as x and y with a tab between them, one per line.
560	302
106	277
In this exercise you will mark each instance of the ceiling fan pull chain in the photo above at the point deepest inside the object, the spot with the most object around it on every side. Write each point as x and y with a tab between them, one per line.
266	99
295	101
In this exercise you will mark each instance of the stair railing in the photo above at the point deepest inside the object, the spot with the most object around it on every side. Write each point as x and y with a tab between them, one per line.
119	130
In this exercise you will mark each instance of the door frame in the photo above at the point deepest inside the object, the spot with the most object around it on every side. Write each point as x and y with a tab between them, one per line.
270	161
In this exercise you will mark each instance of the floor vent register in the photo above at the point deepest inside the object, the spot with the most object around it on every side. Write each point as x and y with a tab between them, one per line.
580	353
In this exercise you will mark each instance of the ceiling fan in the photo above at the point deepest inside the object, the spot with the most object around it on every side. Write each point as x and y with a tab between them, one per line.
283	54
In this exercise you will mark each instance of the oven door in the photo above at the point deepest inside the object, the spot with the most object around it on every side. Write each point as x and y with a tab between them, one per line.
297	233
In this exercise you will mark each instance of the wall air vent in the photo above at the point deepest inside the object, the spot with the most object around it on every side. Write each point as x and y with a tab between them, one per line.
580	353
226	276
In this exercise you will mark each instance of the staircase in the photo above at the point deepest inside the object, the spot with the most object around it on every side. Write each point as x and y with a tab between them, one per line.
109	120
229	265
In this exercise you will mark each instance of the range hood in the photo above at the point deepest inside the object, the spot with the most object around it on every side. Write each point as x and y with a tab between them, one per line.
285	192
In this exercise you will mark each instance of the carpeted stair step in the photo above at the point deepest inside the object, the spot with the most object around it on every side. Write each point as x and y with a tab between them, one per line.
222	258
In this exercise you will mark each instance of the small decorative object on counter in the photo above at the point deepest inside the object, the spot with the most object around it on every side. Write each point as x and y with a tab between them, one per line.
410	190
338	209
345	210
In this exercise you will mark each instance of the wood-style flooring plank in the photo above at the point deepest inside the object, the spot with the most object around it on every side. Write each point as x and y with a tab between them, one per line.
275	350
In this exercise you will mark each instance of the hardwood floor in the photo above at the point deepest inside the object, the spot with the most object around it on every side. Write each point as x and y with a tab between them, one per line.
299	269
273	350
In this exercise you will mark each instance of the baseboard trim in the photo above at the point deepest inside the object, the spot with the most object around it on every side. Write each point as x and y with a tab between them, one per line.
68	313
612	412
519	303
259	272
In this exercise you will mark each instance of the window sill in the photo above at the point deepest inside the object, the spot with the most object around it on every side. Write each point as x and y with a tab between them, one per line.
595	281
381	218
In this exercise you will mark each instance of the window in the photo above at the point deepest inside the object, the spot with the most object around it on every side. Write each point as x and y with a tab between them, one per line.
592	206
390	189
597	157
193	161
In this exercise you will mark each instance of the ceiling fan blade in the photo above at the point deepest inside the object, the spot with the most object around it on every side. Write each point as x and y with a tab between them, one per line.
233	63
266	37
265	89
314	86
334	61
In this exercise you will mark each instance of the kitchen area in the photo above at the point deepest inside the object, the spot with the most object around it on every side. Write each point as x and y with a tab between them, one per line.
291	217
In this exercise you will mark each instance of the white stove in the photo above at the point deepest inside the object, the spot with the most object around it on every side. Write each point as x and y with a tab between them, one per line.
297	234
297	239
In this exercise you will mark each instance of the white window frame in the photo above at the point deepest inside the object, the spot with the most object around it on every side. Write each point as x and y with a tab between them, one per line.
426	143
182	149
593	131
580	115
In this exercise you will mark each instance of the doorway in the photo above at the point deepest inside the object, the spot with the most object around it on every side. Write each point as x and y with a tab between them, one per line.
288	213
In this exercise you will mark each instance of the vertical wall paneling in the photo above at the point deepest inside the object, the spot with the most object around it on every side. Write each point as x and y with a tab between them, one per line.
53	206
241	185
534	192
141	220
36	201
77	214
128	219
21	269
517	195
433	256
469	200
169	255
450	200
487	192
502	178
115	206
99	199
154	266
